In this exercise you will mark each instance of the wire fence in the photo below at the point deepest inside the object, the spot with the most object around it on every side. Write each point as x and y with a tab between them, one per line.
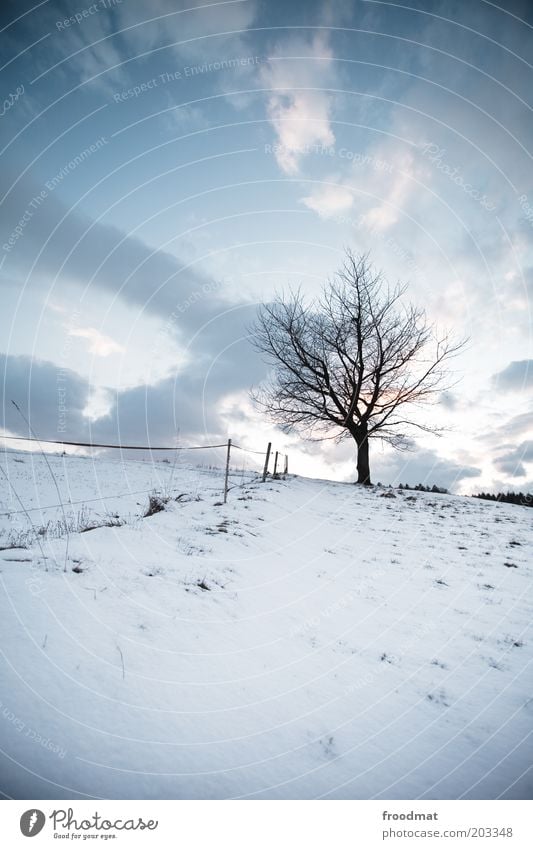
275	463
63	526
116	506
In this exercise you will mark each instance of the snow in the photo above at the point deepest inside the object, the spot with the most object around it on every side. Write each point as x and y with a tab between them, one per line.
308	639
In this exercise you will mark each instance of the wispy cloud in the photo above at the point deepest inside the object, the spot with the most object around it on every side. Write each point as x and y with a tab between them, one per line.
328	200
299	106
99	344
396	192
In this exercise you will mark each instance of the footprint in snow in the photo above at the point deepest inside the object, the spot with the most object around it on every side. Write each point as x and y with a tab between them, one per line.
439	698
494	664
328	746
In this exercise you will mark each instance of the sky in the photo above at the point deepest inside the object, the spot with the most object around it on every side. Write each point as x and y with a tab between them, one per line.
167	167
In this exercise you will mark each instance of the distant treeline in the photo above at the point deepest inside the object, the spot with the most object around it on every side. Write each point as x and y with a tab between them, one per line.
421	488
521	498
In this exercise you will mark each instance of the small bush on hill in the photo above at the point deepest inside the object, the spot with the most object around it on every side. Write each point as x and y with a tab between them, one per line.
156	504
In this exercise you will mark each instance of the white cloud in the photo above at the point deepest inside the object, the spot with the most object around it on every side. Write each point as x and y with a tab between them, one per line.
99	403
329	200
99	344
398	191
298	107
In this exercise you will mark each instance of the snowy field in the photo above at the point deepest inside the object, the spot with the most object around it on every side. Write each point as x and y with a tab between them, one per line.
307	640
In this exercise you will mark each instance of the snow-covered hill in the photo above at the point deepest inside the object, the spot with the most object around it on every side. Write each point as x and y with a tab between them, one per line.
308	639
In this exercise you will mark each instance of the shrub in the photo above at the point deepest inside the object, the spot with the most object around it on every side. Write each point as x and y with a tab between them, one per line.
156	504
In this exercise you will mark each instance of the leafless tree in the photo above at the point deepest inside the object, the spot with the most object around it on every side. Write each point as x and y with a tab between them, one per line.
356	364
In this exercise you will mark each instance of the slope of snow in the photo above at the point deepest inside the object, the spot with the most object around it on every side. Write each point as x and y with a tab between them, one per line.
308	639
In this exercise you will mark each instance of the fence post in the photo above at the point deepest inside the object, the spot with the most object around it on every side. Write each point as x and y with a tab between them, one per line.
286	469
275	464
227	472
267	458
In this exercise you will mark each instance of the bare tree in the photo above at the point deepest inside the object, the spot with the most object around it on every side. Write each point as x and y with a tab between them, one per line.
354	364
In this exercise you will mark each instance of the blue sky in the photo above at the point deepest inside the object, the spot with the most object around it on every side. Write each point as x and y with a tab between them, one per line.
167	167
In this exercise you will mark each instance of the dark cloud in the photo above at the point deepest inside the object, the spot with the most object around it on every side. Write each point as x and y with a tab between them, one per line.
518	424
100	256
499	436
525	450
518	375
449	400
156	415
53	399
512	461
510	466
212	329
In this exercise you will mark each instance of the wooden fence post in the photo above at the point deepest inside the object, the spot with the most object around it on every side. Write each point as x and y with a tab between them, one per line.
267	458
227	472
275	464
286	469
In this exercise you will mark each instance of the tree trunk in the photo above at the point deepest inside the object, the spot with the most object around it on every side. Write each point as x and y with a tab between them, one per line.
363	463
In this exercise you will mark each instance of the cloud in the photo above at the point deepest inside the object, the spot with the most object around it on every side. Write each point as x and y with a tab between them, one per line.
519	425
109	37
395	192
421	465
94	254
449	400
53	399
512	462
209	330
517	376
299	108
329	200
193	24
62	405
100	257
510	467
99	344
90	43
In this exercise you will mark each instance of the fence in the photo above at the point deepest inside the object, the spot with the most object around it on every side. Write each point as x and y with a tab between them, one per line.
229	446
